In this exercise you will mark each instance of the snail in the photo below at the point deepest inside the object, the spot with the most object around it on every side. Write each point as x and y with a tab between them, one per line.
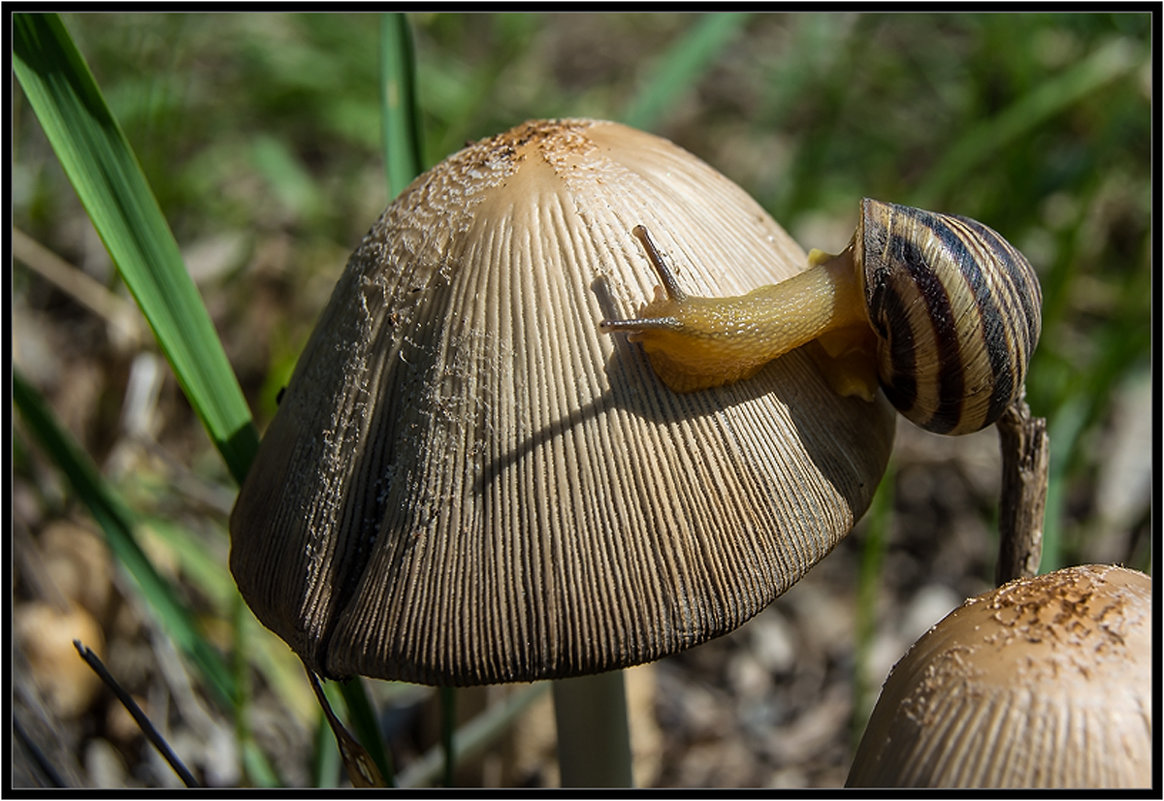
938	309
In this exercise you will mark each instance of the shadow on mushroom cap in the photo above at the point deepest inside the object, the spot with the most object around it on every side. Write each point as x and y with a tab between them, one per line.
467	483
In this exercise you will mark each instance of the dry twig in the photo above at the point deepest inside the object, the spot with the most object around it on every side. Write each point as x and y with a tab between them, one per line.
1025	458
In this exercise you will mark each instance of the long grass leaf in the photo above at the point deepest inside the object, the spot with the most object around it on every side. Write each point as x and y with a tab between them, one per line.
448	703
117	523
680	67
401	122
874	546
400	133
325	761
109	181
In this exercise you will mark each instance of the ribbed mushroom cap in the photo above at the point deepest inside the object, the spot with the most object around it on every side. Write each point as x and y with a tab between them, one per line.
1043	682
467	483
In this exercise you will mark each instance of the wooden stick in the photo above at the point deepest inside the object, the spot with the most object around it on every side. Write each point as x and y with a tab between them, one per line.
1025	458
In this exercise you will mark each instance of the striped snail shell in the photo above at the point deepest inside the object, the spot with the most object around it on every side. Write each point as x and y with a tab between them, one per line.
937	309
956	312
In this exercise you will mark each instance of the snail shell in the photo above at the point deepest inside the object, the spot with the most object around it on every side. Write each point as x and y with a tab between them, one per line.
956	312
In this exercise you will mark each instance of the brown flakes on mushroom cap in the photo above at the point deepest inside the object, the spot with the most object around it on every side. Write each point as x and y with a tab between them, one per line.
467	483
1043	682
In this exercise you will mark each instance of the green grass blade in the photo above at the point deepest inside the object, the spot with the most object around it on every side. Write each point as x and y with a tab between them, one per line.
680	67
117	523
363	722
255	766
475	736
400	133
108	179
325	761
401	122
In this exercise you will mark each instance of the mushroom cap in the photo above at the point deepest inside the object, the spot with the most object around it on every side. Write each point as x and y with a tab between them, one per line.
1042	682
466	482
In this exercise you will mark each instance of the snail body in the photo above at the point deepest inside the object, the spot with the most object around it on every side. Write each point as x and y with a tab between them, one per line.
937	309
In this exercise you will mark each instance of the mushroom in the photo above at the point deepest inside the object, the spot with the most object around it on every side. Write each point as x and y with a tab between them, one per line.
467	482
1042	682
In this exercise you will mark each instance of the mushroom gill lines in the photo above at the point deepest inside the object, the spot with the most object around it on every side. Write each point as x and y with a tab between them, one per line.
511	502
540	472
617	550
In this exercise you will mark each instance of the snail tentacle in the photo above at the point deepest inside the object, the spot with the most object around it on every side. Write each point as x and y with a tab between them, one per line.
666	276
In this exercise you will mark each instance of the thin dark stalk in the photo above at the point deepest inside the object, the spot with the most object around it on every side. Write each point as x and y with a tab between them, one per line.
362	769
139	716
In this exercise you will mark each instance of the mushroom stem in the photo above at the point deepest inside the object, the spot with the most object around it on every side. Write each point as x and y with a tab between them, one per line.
593	733
698	342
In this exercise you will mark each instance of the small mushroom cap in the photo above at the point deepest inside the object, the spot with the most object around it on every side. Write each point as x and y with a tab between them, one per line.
1043	682
466	482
